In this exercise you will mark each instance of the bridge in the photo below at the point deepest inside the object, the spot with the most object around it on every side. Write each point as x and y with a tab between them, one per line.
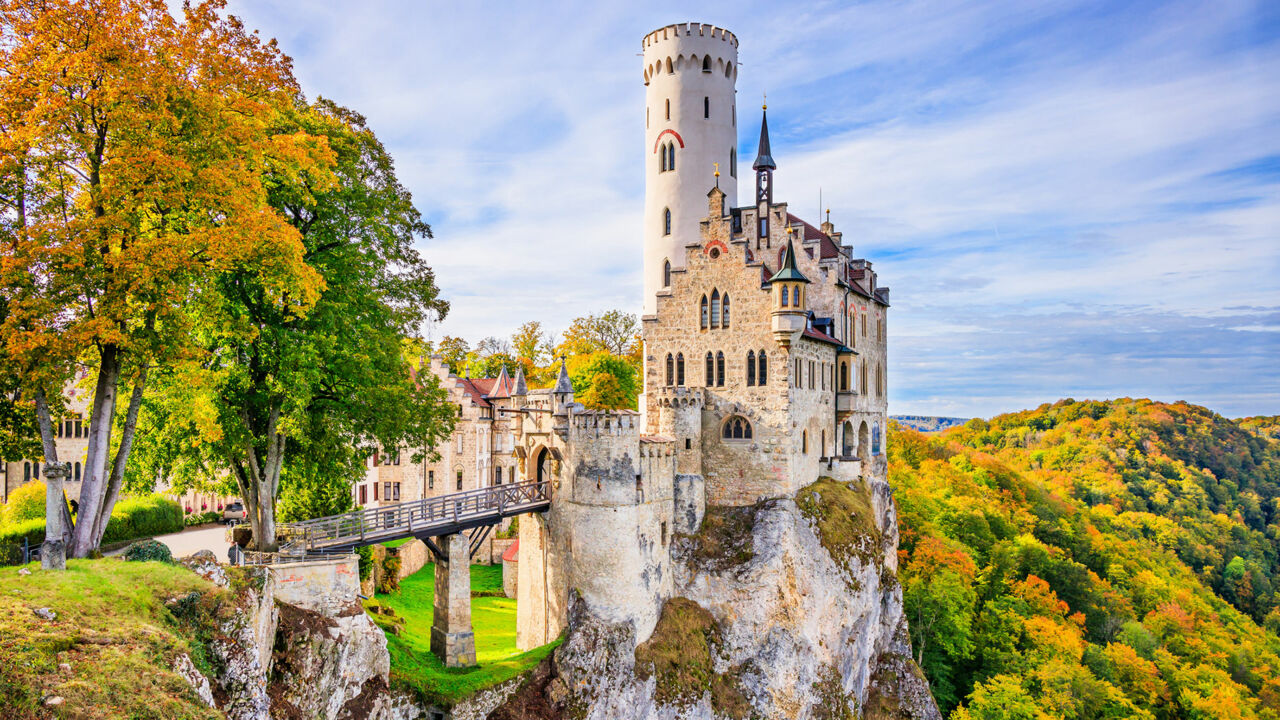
440	522
440	516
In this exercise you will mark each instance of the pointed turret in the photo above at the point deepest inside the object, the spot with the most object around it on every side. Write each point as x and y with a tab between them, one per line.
500	386
764	157
788	271
564	386
522	388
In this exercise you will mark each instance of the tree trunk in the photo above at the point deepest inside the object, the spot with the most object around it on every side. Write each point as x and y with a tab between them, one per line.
57	520
259	479
93	488
116	478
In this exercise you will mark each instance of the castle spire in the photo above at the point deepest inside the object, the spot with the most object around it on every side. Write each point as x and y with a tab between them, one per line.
521	388
563	385
764	158
499	389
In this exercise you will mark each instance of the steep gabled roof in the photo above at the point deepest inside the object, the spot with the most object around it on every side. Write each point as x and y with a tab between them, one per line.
788	271
764	157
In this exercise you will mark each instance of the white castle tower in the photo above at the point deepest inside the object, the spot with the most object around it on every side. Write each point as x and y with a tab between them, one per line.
690	124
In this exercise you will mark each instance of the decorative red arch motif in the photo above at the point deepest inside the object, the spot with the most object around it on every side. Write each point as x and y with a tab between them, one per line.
717	244
663	134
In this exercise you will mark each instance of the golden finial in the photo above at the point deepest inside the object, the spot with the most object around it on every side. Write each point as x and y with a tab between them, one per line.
828	214
764	105
717	168
790	229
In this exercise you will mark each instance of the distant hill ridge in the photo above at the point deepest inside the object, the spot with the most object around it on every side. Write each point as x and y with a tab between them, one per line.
928	423
1094	560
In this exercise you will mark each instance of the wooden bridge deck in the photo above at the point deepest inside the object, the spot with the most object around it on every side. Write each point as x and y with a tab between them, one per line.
423	519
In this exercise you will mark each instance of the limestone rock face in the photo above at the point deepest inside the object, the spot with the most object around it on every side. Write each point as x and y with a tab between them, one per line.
278	660
800	618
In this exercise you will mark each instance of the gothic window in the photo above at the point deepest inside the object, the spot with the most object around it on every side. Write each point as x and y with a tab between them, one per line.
724	311
875	439
77	472
733	162
35	469
751	368
762	377
862	380
671	156
671	370
459	480
666	273
706	64
711	369
784	296
26	472
736	427
666	221
720	369
668	99
715	309
662	159
704	312
680	369
879	381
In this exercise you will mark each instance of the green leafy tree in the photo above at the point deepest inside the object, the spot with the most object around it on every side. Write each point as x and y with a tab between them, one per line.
622	385
532	345
321	385
453	351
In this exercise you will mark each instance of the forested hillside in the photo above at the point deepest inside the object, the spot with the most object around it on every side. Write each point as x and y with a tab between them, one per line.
1094	560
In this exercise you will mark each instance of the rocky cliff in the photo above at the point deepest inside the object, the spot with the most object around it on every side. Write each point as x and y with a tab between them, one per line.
786	609
266	658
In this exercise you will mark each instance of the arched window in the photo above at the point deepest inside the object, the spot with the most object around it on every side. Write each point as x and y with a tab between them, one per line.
662	159
666	273
680	369
784	296
804	442
671	370
670	70
711	369
733	162
762	377
879	381
736	427
666	221
715	309
795	296
704	312
720	369
706	64
671	156
751	368
875	439
724	311
77	475
35	470
26	472
862	379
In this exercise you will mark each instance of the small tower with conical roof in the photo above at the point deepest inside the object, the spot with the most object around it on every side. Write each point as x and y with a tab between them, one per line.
787	286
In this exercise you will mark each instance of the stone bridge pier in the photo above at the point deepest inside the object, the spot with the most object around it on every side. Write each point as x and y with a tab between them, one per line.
452	639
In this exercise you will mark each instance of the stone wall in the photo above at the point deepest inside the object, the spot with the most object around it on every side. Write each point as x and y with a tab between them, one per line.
327	586
413	555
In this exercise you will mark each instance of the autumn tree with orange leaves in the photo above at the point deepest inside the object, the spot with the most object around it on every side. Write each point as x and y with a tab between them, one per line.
133	147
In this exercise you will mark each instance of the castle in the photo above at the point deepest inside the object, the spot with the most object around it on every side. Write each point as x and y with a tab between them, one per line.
764	348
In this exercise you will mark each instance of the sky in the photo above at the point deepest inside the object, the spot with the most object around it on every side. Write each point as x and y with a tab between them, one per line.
1067	199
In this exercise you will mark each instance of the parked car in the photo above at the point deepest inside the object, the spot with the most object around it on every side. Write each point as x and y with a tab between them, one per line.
234	512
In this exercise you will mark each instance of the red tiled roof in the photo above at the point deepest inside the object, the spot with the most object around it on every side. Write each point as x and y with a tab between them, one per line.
472	388
820	336
513	552
826	245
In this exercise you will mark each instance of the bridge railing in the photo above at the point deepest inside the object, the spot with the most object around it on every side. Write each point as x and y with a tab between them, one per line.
408	518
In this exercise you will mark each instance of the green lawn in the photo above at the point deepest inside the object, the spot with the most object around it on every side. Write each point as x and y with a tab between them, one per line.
493	618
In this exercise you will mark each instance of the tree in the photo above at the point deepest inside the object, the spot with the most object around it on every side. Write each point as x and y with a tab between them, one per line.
613	332
531	345
938	599
325	387
453	352
134	156
621	383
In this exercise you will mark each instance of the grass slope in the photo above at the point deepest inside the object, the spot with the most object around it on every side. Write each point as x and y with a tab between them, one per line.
493	617
113	634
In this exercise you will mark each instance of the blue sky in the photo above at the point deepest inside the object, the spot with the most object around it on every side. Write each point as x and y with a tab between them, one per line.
1067	198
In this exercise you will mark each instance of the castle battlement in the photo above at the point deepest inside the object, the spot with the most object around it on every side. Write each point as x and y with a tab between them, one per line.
683	30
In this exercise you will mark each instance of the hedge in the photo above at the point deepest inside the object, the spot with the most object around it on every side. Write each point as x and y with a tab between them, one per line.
11	536
131	518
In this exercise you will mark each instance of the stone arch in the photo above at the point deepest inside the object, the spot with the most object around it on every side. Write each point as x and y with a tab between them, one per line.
735	427
864	442
706	64
847	446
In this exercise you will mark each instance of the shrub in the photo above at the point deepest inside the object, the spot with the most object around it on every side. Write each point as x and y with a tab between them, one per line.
365	553
201	518
148	551
390	580
12	535
25	503
145	516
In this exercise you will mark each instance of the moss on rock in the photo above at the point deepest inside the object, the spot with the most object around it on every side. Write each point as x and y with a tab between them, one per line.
681	656
725	539
845	522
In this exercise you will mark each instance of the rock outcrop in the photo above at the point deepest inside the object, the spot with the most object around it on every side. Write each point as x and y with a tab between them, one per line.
786	609
273	660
